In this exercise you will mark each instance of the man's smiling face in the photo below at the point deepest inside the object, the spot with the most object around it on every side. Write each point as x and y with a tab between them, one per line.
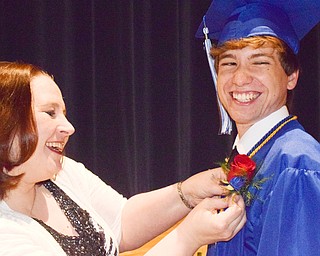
252	84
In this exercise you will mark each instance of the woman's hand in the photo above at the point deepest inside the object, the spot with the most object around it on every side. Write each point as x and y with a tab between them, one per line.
202	185
207	224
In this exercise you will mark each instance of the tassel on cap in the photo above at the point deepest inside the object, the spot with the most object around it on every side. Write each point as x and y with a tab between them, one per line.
225	121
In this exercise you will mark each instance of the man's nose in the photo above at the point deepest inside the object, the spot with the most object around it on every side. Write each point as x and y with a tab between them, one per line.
241	76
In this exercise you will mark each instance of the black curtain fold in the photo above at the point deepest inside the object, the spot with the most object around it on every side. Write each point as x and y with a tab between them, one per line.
137	84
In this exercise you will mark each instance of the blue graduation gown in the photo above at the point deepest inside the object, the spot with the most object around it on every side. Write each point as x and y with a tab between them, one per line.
283	219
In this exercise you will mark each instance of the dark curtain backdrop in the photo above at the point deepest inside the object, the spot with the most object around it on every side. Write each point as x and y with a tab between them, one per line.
137	84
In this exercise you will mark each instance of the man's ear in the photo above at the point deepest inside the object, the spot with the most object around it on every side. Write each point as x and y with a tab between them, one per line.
293	80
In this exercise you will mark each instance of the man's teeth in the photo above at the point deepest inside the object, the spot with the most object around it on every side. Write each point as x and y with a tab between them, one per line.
56	146
245	97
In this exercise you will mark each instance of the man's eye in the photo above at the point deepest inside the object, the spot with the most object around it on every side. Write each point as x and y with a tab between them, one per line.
261	63
228	63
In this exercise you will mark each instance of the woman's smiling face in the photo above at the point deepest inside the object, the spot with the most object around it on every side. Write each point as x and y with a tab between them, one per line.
52	126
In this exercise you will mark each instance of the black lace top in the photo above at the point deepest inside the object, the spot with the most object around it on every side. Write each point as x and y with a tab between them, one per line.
91	237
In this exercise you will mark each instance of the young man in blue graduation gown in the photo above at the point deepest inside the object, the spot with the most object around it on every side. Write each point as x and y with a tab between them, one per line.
256	63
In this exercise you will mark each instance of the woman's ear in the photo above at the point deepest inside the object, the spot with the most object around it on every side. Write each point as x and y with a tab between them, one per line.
16	171
5	171
293	80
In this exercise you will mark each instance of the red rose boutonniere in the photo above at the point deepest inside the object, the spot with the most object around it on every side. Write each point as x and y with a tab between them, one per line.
240	176
241	172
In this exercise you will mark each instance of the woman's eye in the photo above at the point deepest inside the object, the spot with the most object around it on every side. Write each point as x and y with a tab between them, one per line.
51	113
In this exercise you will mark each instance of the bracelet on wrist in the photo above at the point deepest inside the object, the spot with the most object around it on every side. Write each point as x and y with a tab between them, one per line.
183	199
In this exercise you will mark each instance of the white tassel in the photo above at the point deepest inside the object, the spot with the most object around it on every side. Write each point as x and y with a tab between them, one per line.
225	121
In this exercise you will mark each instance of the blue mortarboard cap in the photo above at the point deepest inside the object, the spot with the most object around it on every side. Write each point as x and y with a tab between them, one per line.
289	20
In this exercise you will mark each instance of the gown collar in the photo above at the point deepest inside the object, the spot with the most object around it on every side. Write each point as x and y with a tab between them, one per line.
255	133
